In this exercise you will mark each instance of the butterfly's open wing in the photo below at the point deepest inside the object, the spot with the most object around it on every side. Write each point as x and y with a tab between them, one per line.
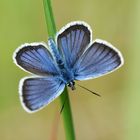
35	93
35	58
72	41
99	59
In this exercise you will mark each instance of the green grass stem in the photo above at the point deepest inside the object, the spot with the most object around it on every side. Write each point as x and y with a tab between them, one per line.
67	114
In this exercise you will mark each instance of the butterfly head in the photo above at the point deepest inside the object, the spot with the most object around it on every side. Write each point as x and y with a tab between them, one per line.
71	84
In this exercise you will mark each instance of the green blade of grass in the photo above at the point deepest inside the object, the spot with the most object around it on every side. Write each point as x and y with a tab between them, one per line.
67	114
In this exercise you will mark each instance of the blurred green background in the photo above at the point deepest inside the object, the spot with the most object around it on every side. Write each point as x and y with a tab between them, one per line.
114	116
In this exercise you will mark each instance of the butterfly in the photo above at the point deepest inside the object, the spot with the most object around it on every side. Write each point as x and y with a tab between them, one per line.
71	56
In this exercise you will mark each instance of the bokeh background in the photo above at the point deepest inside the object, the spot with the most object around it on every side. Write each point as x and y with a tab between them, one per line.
114	116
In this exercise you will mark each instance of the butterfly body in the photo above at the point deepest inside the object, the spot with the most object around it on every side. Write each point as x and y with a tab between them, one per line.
71	56
65	73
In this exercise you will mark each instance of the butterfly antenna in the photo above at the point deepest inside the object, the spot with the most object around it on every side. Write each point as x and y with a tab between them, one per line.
89	90
63	105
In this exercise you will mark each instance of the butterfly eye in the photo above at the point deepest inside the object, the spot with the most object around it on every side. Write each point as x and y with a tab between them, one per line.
71	83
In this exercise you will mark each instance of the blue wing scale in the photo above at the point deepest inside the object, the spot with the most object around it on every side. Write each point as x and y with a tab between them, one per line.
99	59
38	92
72	42
36	59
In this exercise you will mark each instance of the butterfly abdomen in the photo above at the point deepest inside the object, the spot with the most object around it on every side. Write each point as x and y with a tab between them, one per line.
60	64
54	51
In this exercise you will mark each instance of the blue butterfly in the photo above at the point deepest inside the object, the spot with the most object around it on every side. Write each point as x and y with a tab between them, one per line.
72	56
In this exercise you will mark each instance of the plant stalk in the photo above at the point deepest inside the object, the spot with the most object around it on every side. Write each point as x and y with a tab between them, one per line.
67	114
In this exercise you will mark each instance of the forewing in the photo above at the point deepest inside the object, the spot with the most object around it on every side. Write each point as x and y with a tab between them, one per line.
36	93
99	59
72	41
35	58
